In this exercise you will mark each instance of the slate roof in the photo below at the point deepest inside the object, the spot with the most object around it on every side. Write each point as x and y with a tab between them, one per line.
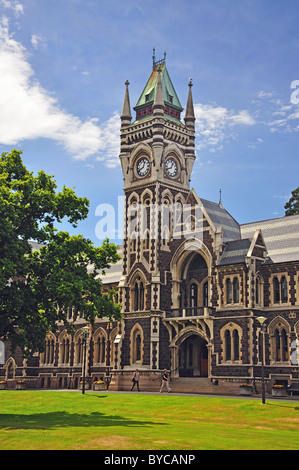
235	252
221	218
281	237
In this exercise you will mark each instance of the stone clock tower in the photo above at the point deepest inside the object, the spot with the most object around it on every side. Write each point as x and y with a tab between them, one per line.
157	154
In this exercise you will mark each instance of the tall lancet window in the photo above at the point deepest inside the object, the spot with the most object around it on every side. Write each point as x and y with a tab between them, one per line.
138	294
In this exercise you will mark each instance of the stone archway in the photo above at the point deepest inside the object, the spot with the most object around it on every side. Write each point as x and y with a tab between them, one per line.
191	260
193	357
190	352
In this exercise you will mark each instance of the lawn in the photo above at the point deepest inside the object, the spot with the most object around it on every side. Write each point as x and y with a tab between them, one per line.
39	420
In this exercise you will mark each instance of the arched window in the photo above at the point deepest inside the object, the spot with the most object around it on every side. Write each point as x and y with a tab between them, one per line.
206	294
284	346
260	346
284	290
228	346
136	345
64	349
81	346
190	224
166	219
133	243
79	351
48	357
178	211
258	290
280	348
229	293
11	369
231	341
236	345
66	352
141	297
138	295
146	240
276	290
193	298
277	345
100	348
165	237
280	290
236	295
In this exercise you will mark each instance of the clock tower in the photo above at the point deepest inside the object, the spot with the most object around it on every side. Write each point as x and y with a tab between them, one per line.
157	154
157	147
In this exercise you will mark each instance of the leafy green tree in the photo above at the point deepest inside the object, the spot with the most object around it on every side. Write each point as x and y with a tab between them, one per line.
39	287
292	206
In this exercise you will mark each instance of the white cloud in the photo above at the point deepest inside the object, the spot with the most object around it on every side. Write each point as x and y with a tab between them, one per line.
215	125
279	117
13	5
253	145
38	41
264	94
111	141
28	111
288	122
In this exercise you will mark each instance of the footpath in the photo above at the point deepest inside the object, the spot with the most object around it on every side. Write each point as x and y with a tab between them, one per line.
177	394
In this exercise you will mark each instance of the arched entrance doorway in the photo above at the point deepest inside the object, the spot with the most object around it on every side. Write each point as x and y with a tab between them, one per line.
193	357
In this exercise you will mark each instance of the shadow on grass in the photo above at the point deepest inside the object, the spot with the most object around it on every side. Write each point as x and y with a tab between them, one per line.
64	419
283	405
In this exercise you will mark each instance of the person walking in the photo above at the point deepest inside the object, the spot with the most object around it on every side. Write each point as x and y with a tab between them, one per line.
165	381
135	380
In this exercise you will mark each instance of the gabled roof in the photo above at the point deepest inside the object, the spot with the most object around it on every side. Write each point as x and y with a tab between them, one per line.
235	252
221	218
281	237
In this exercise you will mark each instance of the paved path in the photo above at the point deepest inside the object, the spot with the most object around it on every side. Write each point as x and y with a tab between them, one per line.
178	394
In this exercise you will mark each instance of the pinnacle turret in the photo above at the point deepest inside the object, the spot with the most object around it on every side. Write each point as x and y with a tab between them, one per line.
159	104
126	112
189	115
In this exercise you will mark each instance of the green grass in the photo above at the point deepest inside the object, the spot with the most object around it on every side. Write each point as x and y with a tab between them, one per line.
70	420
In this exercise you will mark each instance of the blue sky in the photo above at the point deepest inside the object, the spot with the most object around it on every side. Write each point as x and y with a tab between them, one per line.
63	68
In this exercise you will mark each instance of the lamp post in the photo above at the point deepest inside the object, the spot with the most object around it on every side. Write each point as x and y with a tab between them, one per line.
108	378
85	335
261	321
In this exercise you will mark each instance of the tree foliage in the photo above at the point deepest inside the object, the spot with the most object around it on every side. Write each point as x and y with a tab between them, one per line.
292	206
39	287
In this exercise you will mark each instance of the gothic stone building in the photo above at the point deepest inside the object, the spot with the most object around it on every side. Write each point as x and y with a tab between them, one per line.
192	281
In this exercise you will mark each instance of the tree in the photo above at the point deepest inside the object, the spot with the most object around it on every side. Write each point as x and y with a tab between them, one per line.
292	206
39	287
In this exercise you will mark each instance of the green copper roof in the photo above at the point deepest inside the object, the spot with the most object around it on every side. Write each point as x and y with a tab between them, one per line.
169	94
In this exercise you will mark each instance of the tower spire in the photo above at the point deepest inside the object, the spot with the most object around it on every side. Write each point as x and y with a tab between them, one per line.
190	116
158	105
126	112
220	198
154	57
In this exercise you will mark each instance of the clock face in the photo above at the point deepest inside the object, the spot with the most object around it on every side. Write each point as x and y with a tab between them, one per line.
171	167
143	166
